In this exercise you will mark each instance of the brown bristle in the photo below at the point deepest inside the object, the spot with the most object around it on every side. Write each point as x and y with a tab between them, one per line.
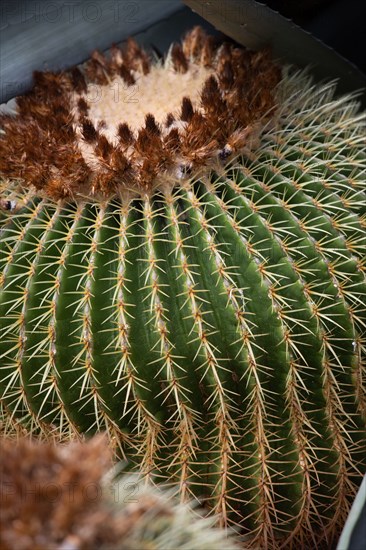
198	145
226	75
199	132
150	151
58	188
193	42
208	51
132	48
179	60
151	125
95	72
211	95
172	140
83	107
99	58
115	59
273	76
61	113
125	134
51	111
260	60
103	148
148	172
169	120
24	103
34	174
144	142
119	161
145	63
78	80
224	53
240	60
237	140
47	83
68	175
115	54
118	173
88	130
187	109
28	103
135	57
104	183
127	76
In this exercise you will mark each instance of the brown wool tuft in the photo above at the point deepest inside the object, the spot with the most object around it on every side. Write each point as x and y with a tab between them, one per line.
211	96
119	162
151	125
49	84
82	107
103	148
78	80
99	58
208	51
135	57
143	143
135	135
226	75
125	134
115	56
127	76
194	42
172	140
187	109
179	60
96	72
169	120
88	130
59	187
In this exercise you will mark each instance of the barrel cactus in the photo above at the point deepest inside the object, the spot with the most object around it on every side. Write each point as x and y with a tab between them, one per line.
182	266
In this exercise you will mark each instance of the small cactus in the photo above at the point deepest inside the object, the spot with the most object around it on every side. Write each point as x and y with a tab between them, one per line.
61	497
187	273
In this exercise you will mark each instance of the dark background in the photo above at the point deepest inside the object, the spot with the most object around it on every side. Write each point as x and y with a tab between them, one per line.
339	23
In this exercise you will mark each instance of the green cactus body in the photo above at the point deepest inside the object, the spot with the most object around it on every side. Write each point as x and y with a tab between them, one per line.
213	326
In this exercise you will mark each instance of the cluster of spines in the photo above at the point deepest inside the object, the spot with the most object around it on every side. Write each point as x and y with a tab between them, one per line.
325	200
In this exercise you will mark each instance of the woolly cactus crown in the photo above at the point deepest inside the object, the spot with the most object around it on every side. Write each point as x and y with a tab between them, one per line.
191	278
126	124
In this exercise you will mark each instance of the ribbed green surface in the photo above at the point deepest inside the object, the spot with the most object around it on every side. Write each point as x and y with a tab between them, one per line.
215	330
